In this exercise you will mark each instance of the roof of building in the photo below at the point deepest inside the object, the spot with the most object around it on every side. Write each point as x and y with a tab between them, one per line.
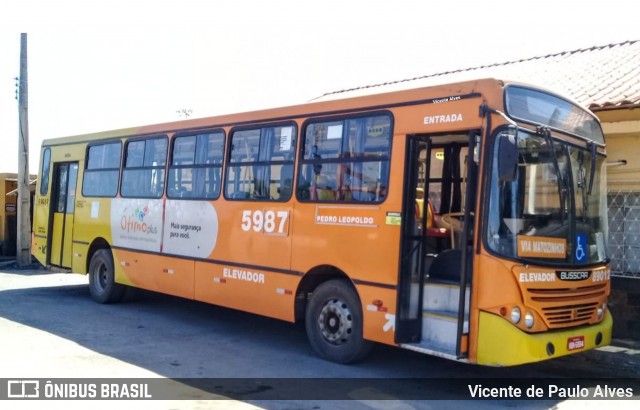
601	78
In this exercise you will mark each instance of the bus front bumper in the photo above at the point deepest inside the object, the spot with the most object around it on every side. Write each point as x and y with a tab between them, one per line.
502	344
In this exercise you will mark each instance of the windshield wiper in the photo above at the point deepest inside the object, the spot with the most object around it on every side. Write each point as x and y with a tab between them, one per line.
546	134
592	174
582	184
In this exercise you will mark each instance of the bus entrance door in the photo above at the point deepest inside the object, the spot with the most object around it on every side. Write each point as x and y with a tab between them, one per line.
437	245
63	208
412	269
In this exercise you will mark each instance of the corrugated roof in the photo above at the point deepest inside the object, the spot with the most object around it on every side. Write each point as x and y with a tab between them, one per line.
602	77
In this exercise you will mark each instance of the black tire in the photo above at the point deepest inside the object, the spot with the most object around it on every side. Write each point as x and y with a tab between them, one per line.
334	322
102	283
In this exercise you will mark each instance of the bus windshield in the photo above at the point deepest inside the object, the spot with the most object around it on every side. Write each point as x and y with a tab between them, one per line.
554	207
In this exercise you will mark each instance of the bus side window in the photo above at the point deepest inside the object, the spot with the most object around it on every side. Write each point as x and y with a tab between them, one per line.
286	181
196	166
44	175
351	153
323	189
144	173
260	164
102	170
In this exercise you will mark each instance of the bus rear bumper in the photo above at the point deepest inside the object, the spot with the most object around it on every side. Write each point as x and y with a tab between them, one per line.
502	344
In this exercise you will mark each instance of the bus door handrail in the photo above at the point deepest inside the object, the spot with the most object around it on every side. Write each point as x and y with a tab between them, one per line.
464	271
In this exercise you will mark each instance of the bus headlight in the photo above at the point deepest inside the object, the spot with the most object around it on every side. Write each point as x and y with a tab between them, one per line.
528	320
515	314
601	310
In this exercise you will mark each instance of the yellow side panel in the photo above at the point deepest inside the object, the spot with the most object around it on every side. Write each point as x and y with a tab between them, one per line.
502	344
40	228
79	257
91	221
68	241
39	248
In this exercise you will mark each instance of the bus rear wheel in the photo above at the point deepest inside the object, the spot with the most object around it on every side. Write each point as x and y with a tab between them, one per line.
334	323
102	284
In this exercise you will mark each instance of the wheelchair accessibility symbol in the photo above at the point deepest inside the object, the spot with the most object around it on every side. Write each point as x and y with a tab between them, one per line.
581	243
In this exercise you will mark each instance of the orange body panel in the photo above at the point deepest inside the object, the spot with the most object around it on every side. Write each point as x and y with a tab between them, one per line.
164	274
254	246
256	291
379	312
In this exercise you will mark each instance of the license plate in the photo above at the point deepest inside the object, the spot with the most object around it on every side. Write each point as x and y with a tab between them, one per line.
575	343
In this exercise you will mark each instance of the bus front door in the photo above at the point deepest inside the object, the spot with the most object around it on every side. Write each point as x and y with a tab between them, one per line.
437	242
63	208
412	269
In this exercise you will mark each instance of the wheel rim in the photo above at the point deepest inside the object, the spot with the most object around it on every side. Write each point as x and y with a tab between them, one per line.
101	275
335	322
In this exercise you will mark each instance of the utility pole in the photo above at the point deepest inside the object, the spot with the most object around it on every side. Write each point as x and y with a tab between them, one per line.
23	246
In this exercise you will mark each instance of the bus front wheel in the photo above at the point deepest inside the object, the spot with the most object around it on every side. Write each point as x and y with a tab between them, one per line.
334	323
102	284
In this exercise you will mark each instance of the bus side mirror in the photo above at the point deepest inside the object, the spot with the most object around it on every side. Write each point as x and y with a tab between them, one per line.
507	155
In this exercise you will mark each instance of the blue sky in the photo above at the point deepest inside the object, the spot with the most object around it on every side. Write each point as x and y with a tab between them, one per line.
98	65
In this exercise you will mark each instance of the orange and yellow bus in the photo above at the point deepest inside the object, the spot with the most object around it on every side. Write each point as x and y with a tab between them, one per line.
466	221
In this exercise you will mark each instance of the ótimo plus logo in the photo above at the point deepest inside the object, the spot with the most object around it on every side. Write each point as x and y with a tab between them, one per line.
134	221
